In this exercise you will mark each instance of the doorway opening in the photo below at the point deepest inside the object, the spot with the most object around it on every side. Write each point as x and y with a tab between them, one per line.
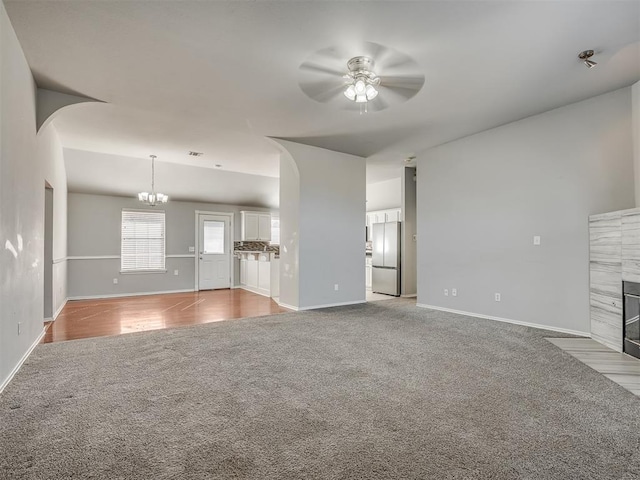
48	251
214	243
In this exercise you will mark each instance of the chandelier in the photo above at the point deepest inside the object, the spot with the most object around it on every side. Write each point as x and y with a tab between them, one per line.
361	80
153	198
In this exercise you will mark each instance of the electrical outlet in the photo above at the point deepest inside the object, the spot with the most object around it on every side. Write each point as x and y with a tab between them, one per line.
115	281
336	287
19	328
175	272
446	292
454	292
497	297
536	240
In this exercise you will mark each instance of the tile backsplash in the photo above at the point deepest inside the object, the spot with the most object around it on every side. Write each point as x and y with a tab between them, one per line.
255	247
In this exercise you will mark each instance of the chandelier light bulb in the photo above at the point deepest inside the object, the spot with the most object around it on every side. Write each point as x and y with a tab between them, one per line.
360	87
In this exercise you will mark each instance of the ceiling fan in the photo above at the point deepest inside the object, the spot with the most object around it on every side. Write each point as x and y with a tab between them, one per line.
374	80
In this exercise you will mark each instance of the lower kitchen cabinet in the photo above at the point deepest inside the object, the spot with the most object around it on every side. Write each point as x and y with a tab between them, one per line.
368	273
256	272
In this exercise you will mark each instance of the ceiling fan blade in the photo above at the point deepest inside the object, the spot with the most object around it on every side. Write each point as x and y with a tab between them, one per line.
317	68
410	83
324	91
396	94
378	103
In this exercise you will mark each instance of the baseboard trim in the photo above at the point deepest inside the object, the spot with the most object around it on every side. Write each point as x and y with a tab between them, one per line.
286	305
57	312
256	291
506	320
21	362
328	305
137	294
411	295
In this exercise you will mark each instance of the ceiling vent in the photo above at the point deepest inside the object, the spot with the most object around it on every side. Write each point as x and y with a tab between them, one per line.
195	154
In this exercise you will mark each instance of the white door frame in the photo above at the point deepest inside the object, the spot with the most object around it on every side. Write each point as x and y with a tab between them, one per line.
230	216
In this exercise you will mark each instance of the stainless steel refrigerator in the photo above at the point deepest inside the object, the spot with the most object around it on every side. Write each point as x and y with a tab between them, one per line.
386	258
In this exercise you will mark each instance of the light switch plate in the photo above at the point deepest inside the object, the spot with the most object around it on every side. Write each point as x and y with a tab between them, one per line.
536	240
446	292
454	292
192	249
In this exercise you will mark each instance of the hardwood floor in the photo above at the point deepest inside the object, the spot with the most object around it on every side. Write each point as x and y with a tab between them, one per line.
115	316
619	367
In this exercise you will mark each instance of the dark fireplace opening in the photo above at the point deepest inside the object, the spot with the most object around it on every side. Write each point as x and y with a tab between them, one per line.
631	316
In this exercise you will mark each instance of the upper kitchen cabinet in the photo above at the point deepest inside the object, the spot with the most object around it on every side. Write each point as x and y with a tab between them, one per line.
255	226
382	216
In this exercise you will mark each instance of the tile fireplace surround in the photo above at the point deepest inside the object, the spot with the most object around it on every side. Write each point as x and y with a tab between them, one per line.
614	257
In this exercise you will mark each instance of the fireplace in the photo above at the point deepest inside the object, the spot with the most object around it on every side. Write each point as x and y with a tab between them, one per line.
631	316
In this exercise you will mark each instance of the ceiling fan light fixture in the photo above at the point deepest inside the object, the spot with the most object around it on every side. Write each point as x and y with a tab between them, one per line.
371	92
361	80
350	93
153	198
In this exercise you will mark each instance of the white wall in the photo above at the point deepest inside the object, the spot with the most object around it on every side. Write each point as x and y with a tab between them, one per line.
330	224
94	231
481	199
24	160
384	195
635	114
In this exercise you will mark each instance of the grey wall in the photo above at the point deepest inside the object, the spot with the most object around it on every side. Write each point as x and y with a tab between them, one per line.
289	231
24	160
330	224
409	284
635	115
384	195
481	199
94	231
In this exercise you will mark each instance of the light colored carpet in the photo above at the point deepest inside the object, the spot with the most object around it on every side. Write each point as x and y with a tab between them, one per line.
382	390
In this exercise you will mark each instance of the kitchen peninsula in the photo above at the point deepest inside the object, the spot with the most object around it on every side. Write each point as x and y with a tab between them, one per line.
259	267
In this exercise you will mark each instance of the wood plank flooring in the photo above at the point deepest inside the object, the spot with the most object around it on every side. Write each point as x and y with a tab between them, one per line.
619	367
115	316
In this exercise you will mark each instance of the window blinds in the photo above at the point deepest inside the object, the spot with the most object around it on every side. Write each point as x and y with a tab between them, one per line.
142	247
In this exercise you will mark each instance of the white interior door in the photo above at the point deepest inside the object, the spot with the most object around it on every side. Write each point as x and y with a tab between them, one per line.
215	252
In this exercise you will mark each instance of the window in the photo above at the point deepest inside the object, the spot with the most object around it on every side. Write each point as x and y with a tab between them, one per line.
142	247
275	230
213	236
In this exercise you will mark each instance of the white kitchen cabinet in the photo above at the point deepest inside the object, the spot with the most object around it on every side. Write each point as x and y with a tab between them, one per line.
393	215
255	226
243	271
264	276
257	271
382	216
252	274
